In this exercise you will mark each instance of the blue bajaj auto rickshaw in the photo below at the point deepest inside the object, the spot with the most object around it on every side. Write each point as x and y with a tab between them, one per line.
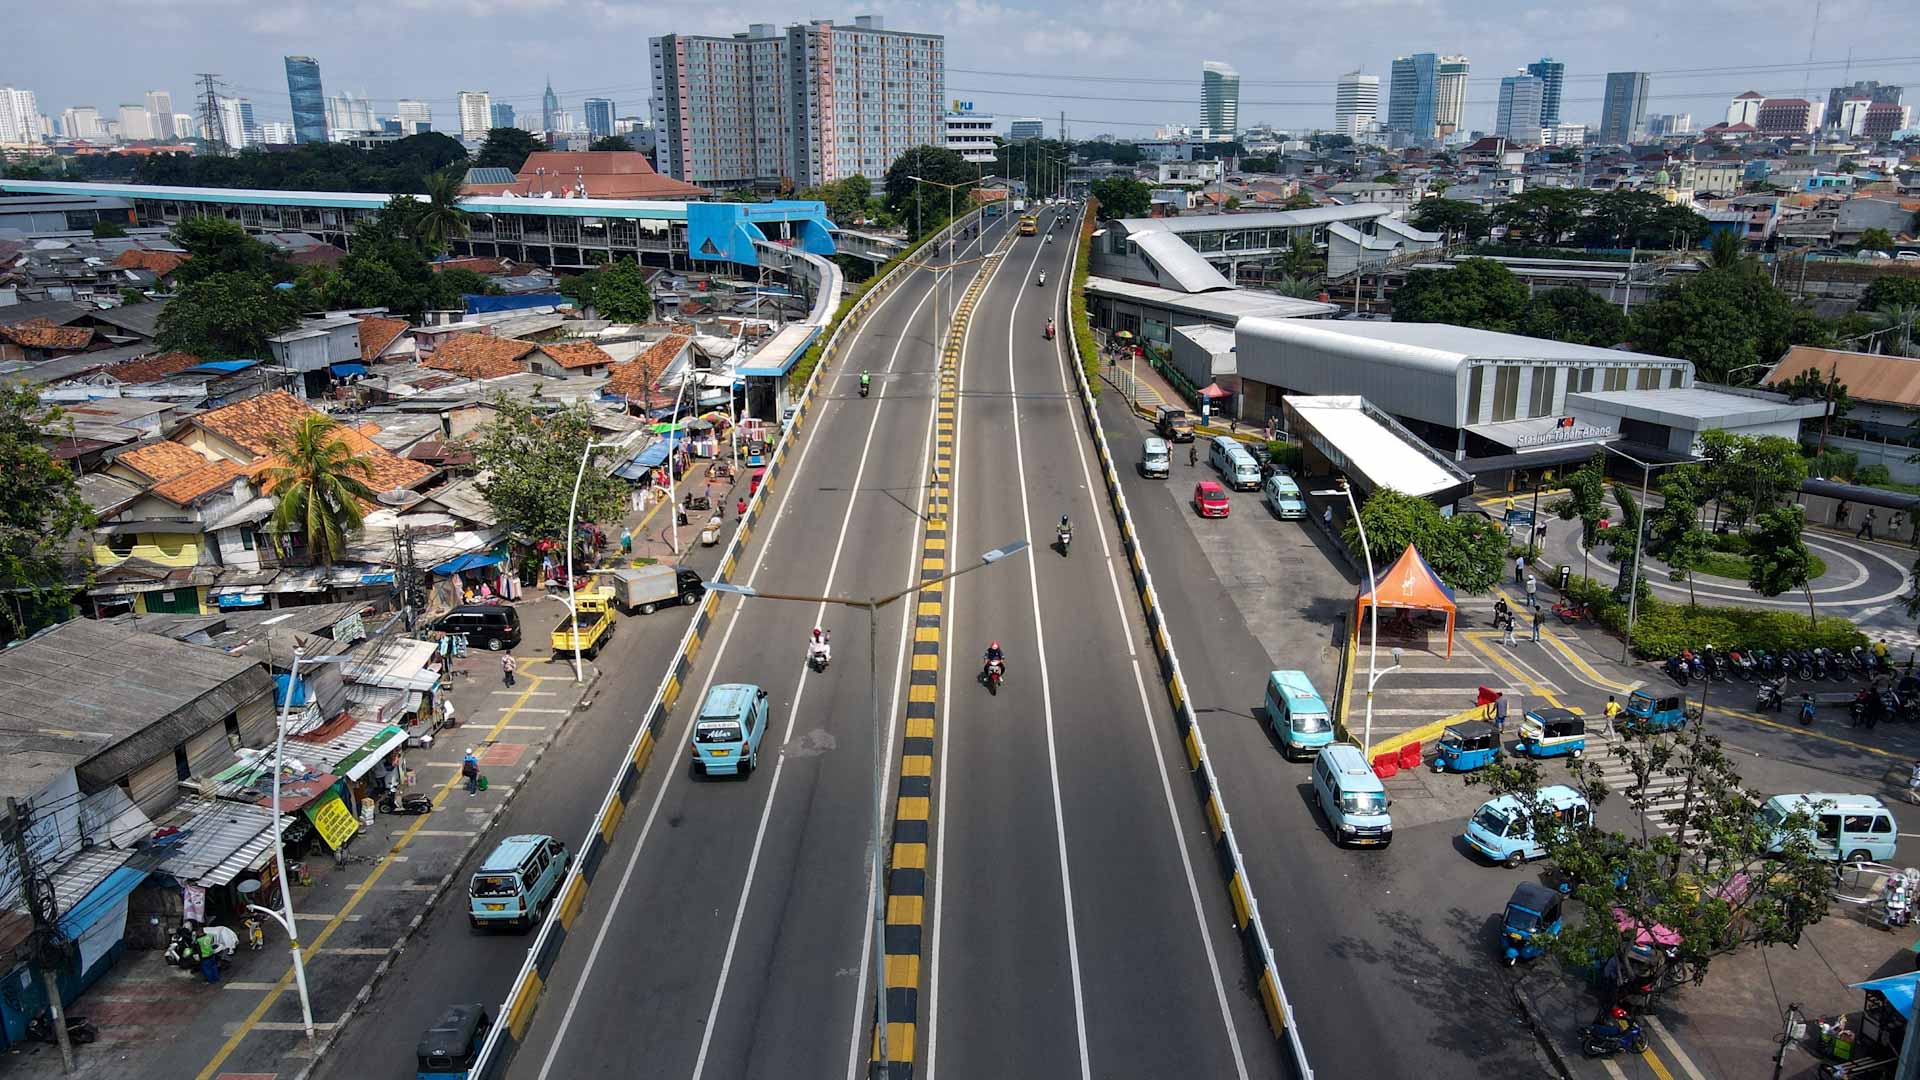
1647	714
1552	732
1469	745
1533	916
451	1046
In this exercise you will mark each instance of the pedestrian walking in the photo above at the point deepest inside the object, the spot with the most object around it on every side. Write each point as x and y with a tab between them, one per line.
1326	518
470	769
1537	620
209	956
626	540
1519	569
1894	525
1840	516
506	668
1533	599
740	508
1508	638
1866	526
1233	425
1500	716
1509	504
1193	455
447	717
1500	610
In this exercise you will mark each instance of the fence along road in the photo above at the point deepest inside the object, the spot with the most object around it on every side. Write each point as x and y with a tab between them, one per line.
739	948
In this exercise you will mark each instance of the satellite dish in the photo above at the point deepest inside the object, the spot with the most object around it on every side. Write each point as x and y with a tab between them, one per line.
396	497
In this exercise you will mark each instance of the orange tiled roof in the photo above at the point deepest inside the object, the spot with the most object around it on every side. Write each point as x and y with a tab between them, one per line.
161	461
377	334
161	263
480	356
255	422
210	477
632	378
577	354
153	368
43	334
387	470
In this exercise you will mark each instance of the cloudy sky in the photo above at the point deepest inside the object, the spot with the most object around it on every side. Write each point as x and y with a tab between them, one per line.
1116	66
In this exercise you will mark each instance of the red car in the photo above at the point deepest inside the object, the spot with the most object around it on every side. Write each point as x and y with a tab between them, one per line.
1210	499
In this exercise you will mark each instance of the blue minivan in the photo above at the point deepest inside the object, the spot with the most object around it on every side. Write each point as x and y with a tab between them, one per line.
727	733
1300	718
517	882
1502	830
1352	797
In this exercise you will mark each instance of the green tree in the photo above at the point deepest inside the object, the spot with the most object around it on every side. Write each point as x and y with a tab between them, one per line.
1457	219
104	229
1901	317
217	247
1724	319
226	316
1813	383
130	297
1621	541
1725	889
1585	502
1780	560
1674	226
1748	474
41	512
1302	259
319	486
529	457
1544	215
1674	532
1875	240
1466	550
1300	200
611	142
1387	178
386	267
1726	252
1571	313
1618	218
507	148
1887	291
1233	202
1300	288
437	220
1122	197
923	207
1565	155
618	292
1475	292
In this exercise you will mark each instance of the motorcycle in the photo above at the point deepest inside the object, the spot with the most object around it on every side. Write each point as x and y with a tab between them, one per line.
1806	710
1770	696
1606	1040
1677	670
864	387
1858	661
994	672
1802	662
411	802
1899	897
1043	278
1049	330
1766	662
1714	663
1065	538
820	652
80	1030
1859	710
1743	664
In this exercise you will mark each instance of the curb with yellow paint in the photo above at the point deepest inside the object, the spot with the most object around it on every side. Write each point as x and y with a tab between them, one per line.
907	871
1254	942
523	1000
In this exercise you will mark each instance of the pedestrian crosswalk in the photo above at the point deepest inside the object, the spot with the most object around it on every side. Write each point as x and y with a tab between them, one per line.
1654	799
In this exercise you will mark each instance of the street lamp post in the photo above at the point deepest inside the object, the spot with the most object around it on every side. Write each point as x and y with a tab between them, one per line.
285	916
573	509
1639	543
872	606
1374	674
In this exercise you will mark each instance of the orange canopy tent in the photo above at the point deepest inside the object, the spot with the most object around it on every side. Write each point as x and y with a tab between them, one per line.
1409	583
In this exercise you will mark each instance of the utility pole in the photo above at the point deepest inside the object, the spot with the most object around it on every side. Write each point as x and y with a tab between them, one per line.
211	130
45	944
406	574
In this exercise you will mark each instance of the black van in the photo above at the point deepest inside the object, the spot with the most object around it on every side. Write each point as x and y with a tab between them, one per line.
490	626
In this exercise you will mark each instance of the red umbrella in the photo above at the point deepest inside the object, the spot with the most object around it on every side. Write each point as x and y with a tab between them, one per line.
1214	393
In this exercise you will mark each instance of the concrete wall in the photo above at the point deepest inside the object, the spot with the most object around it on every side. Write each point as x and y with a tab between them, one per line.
1892	455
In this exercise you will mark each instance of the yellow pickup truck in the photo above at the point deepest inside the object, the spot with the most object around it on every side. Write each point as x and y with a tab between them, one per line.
588	632
1029	225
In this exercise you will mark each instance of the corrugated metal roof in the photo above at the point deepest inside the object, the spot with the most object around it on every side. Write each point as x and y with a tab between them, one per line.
1273	219
1894	380
1176	260
221	840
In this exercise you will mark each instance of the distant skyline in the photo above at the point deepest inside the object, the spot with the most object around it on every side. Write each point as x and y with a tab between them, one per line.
1010	59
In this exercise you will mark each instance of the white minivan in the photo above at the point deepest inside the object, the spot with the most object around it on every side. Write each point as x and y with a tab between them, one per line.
1235	466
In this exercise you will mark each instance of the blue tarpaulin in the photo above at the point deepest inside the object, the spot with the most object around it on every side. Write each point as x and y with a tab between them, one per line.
221	367
280	693
656	455
631	470
102	901
477	304
348	368
1897	989
466	562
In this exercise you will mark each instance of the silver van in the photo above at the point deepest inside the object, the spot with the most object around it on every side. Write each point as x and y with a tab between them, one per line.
1236	467
1351	796
1155	459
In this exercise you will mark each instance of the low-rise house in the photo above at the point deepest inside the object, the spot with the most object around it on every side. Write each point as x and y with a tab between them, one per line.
34	340
480	356
565	359
1885	391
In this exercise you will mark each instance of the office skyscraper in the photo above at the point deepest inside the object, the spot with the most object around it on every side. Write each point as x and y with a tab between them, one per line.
1522	97
501	113
599	117
308	100
1410	102
160	113
549	107
19	117
1623	112
1356	104
1219	98
1870	89
1027	127
815	104
416	117
136	124
476	114
237	123
1449	94
1552	75
349	113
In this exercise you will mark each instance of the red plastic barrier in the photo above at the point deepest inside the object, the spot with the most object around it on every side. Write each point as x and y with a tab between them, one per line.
1386	765
1410	756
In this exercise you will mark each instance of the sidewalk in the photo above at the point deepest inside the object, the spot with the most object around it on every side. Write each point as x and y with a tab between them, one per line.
159	1021
653	527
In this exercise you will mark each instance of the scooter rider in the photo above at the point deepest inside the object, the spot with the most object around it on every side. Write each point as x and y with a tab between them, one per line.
821	645
994	654
1049	329
866	380
1043	277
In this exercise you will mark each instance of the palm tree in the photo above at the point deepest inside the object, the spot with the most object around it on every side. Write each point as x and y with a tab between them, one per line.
438	219
1725	252
1300	258
1297	287
320	485
1902	316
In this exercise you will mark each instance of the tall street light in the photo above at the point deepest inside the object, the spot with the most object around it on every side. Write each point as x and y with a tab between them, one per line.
573	526
1374	673
872	606
285	915
1639	543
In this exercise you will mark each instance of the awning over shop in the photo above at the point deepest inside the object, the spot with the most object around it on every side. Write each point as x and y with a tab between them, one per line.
219	840
467	562
1410	583
1897	989
395	664
220	367
655	455
248	596
103	900
354	752
346	369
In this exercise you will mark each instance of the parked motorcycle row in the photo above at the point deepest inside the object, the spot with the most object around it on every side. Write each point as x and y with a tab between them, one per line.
1806	665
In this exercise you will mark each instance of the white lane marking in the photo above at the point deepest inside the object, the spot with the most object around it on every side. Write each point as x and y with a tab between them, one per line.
862	1020
949	619
1612	1069
1673	1047
653	812
1046	687
1146	714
